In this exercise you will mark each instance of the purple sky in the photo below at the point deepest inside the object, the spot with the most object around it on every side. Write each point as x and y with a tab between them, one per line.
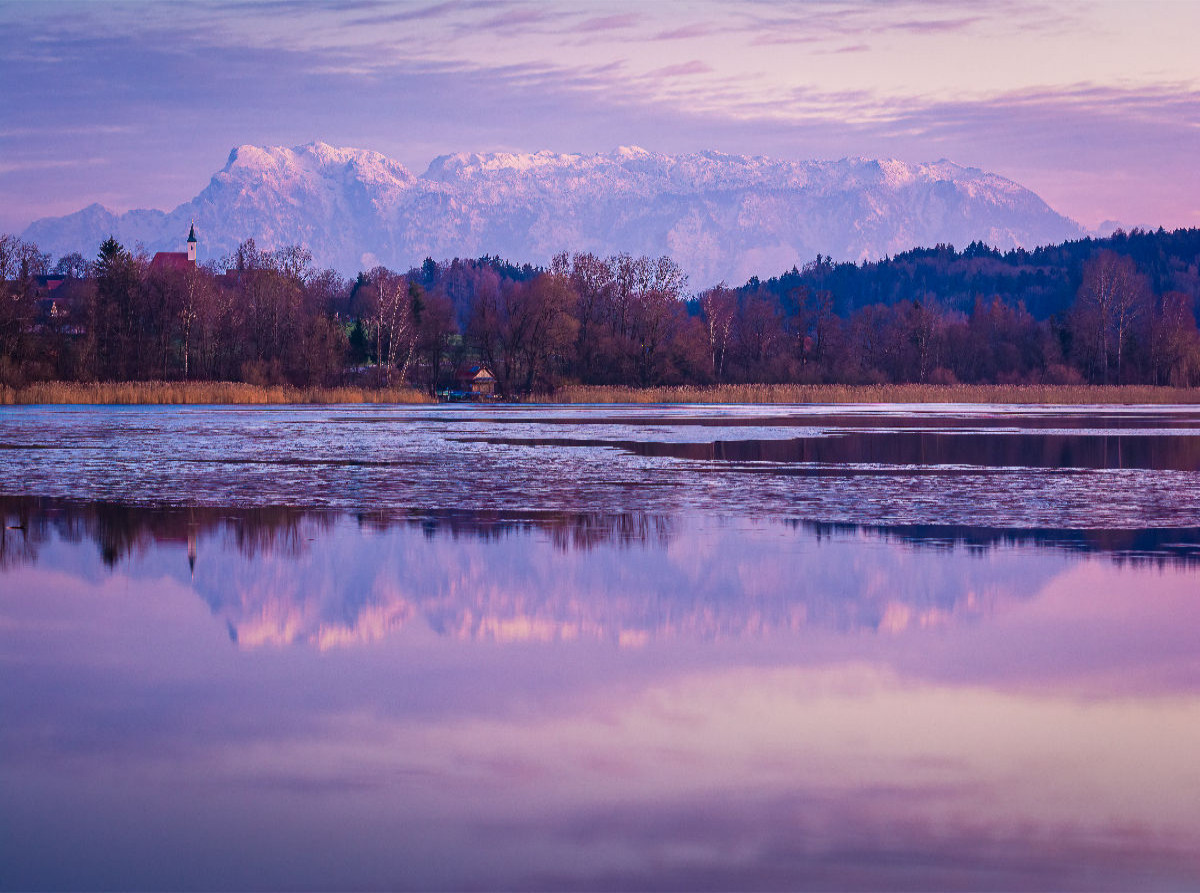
1095	106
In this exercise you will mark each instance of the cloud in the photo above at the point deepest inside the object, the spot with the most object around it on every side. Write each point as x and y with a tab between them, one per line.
773	24
48	164
785	37
175	91
514	17
684	69
66	130
610	23
938	26
405	15
686	32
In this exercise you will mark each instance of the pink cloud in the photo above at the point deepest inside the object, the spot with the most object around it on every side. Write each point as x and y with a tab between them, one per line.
698	29
609	23
683	69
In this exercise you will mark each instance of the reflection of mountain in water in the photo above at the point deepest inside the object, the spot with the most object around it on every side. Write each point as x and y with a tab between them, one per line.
282	575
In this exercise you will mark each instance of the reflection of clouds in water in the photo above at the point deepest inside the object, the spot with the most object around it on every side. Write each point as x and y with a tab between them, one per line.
846	771
982	753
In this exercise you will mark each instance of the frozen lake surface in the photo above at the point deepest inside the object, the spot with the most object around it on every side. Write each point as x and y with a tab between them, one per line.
600	648
974	465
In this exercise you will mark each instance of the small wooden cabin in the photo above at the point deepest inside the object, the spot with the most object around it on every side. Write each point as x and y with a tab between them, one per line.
475	381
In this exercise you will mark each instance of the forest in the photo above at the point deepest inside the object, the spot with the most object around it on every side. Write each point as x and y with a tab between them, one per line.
1120	310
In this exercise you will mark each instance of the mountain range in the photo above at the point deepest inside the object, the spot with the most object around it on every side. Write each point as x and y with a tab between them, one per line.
721	217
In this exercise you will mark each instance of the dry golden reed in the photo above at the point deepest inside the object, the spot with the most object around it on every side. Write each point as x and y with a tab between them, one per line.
228	392
885	393
199	392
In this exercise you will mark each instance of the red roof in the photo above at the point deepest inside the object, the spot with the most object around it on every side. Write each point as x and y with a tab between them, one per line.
175	261
474	373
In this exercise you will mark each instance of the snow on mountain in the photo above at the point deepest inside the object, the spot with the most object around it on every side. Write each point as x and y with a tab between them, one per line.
720	216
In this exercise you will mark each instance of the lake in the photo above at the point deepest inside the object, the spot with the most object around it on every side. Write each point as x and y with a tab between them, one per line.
643	648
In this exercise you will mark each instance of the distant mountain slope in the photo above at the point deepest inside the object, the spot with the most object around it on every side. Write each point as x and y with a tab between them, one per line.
720	216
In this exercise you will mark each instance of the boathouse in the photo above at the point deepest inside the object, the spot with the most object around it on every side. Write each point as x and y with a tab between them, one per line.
475	381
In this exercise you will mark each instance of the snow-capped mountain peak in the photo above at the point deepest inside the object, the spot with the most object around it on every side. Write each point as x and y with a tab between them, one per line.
720	216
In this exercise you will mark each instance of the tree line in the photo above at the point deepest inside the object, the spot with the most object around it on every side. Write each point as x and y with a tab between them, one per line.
1120	310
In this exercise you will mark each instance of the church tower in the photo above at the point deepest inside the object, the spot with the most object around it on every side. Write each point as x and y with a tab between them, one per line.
192	244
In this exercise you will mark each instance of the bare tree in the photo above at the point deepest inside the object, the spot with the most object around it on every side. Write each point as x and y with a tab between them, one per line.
397	316
1111	299
654	306
718	307
1175	342
20	264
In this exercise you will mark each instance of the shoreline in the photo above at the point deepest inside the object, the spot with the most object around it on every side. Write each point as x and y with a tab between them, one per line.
886	393
242	394
198	393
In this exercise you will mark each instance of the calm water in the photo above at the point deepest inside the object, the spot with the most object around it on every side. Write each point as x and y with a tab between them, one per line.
598	648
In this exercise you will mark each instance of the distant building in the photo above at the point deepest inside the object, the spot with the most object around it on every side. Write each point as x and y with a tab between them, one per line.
58	299
177	261
475	381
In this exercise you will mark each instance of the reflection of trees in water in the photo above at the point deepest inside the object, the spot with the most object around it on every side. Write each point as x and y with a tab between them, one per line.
1159	546
583	531
730	584
275	530
21	534
922	449
567	530
120	530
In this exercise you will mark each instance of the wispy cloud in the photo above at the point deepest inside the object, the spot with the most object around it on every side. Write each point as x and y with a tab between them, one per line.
177	86
620	22
514	17
684	69
687	32
405	15
48	164
938	26
785	37
66	130
788	23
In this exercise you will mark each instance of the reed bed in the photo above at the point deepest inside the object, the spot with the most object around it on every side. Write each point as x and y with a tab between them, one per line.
886	393
229	392
199	392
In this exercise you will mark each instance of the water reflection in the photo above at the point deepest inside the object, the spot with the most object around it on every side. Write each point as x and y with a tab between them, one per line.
1160	546
925	416
464	664
807	705
285	575
121	530
924	450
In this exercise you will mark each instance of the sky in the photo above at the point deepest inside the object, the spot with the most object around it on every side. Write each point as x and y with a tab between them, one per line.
1094	106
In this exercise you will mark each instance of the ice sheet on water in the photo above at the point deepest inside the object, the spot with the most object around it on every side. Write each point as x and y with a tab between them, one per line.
630	458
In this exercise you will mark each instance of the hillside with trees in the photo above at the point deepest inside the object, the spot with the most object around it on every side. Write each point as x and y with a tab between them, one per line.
1107	311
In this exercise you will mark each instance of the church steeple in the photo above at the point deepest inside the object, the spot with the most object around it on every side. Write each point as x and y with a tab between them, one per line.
191	243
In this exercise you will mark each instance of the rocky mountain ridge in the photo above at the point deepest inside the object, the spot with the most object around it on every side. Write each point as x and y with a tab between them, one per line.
722	217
